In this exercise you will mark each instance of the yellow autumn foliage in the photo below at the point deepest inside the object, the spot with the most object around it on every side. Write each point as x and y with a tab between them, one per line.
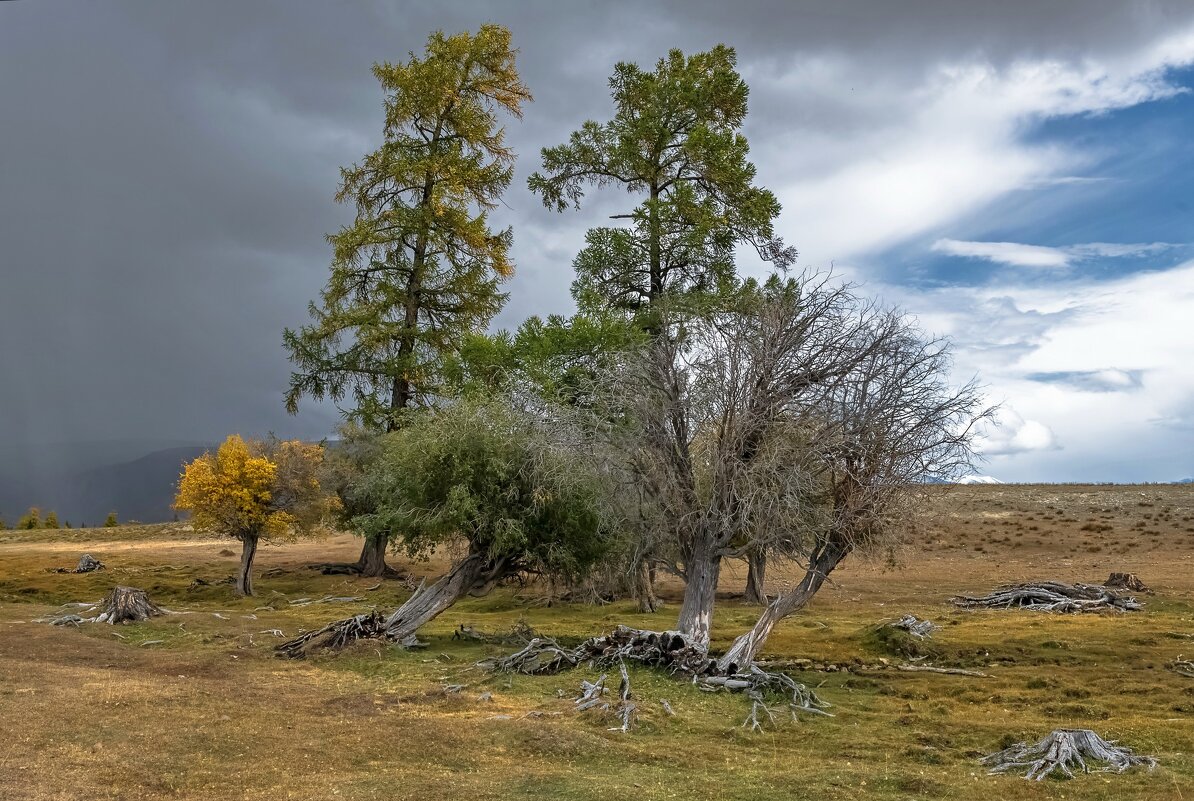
252	490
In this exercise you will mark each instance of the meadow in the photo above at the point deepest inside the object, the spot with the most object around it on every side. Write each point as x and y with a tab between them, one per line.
194	705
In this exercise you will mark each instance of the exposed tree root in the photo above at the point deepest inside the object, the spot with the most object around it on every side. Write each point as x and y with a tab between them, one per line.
1183	667
336	635
1052	596
121	605
1065	750
667	650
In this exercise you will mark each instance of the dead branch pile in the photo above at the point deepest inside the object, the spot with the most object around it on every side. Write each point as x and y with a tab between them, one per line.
336	635
1052	596
1183	667
1065	750
667	650
921	629
661	649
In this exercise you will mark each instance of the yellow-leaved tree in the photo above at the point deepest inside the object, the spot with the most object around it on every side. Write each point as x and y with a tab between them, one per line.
249	490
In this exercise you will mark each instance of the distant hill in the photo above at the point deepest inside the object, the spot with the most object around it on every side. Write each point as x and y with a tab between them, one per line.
973	479
140	488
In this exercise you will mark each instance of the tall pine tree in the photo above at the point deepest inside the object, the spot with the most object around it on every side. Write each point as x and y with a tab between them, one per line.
675	144
420	266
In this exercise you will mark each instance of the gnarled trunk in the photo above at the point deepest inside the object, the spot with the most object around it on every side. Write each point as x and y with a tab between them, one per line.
746	648
756	573
244	578
373	557
701	572
473	575
644	587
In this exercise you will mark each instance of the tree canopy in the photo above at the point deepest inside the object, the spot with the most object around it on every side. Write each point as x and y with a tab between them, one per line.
420	266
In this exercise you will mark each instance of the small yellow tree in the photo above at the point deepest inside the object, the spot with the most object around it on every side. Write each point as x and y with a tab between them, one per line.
51	520
251	490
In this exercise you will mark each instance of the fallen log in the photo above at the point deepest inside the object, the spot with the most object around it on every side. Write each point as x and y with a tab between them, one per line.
1064	751
1183	667
1052	596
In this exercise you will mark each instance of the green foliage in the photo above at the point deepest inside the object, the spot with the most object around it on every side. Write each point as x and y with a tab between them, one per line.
558	359
110	521
419	268
674	142
30	520
51	520
500	478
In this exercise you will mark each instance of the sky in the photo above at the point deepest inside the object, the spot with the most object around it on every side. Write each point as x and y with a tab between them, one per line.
1019	176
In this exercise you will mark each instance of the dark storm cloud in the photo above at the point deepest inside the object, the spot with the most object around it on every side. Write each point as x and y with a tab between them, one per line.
166	170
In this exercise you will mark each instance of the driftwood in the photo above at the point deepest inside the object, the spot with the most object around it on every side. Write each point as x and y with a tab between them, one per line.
908	667
1065	750
1052	596
1183	667
1126	581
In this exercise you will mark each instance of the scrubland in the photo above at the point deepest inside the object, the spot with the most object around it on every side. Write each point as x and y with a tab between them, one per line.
195	706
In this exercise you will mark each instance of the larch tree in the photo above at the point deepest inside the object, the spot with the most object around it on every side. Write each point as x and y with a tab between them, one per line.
254	490
421	266
675	145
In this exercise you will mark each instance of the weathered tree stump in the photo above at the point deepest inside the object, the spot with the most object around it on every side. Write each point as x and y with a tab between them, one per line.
1064	751
88	563
1126	581
124	604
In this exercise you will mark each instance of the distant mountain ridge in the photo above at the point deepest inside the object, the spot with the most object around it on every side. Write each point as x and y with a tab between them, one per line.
141	488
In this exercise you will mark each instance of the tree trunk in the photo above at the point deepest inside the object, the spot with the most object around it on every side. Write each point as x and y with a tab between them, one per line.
701	570
756	572
746	648
373	557
473	575
244	579
644	588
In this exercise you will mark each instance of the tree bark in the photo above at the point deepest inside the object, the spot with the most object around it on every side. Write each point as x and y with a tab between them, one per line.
746	648
473	575
756	573
644	588
244	579
701	570
373	557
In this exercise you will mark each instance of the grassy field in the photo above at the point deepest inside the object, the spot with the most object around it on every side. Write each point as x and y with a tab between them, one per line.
103	712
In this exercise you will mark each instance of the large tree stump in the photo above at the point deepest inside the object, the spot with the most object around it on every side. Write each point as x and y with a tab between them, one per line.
1126	581
124	604
1064	751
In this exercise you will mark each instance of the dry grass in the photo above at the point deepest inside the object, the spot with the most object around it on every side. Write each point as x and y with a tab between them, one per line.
209	714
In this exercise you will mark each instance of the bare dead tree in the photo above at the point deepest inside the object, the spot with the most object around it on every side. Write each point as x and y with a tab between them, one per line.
895	421
728	417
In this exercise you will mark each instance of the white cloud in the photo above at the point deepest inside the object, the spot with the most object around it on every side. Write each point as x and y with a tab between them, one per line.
1118	353
1012	434
868	161
1017	254
1012	253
